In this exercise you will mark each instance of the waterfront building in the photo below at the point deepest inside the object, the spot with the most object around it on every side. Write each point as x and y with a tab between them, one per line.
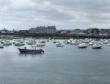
43	30
5	31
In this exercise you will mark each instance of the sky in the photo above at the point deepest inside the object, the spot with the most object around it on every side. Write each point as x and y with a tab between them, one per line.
64	14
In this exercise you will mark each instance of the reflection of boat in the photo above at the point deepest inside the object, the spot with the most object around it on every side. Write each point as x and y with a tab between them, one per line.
31	51
96	46
1	46
82	45
29	54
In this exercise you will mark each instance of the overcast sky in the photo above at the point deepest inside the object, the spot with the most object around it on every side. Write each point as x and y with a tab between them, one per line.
65	14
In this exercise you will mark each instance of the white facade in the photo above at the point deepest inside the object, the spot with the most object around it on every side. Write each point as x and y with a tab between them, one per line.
43	30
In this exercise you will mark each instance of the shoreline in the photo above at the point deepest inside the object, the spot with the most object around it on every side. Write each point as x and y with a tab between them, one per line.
57	36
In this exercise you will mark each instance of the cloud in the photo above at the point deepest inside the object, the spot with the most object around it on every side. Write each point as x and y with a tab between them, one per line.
62	13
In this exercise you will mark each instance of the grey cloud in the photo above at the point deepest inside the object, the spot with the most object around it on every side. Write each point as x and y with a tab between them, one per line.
54	12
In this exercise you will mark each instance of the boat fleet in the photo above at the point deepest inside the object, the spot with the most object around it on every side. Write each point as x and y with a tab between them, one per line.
37	45
84	43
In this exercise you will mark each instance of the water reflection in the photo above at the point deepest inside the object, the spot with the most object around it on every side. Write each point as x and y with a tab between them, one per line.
30	54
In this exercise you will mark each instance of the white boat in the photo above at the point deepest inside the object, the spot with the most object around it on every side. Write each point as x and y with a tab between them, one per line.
106	42
86	41
96	46
69	41
6	43
82	45
31	42
91	43
19	44
59	45
73	43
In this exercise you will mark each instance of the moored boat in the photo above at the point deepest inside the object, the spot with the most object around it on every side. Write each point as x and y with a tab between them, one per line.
96	46
6	43
31	51
31	42
19	44
59	44
40	44
82	45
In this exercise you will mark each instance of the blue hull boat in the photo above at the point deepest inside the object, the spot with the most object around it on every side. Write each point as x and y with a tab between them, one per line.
31	51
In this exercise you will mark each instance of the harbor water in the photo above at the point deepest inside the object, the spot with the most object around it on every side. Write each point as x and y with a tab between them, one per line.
58	65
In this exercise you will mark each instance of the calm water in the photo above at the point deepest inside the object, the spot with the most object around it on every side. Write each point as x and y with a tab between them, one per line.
67	65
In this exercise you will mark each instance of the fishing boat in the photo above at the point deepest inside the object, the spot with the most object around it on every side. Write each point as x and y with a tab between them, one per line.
82	45
31	51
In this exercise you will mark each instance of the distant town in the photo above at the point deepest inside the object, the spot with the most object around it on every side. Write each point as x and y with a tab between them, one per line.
51	31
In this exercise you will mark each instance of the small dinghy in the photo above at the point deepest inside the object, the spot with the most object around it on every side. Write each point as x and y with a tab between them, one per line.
31	51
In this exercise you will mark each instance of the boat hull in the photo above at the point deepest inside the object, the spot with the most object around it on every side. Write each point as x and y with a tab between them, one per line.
30	51
96	47
82	46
